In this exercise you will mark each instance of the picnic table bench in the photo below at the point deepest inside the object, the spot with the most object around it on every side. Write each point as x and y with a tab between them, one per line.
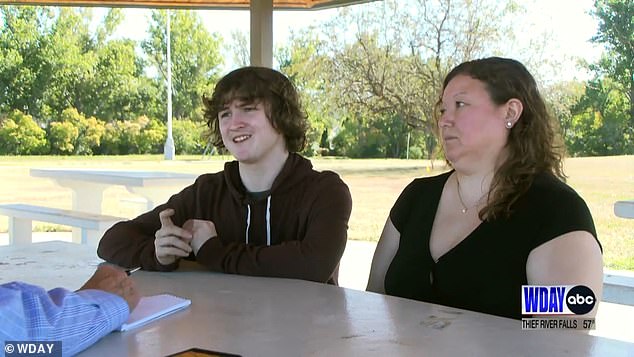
89	185
21	217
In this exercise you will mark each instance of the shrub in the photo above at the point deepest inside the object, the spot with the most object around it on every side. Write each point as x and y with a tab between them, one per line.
188	136
20	135
74	134
139	136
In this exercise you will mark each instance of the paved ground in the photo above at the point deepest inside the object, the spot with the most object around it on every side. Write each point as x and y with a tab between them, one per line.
355	264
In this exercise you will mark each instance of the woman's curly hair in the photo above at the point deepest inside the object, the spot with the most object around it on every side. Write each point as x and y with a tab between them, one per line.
259	85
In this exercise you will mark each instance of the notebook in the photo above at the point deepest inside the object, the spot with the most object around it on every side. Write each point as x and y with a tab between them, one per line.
152	308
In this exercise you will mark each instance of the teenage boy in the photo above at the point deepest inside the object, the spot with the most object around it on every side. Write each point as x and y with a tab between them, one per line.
268	213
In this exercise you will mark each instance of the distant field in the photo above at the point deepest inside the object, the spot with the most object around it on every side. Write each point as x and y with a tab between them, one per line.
375	184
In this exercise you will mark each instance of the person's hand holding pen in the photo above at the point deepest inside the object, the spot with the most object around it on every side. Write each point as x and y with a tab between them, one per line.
112	279
171	242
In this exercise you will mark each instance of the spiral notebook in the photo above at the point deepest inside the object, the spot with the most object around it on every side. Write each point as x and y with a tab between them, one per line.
152	308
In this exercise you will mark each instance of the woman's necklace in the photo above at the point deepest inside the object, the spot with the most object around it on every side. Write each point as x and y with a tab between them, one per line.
464	206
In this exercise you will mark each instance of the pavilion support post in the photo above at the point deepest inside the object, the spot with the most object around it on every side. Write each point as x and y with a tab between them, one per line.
262	33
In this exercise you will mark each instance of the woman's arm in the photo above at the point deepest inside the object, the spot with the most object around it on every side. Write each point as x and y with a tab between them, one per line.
573	258
383	255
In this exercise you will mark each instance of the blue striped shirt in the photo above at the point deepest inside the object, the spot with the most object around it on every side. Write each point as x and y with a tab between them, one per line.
78	319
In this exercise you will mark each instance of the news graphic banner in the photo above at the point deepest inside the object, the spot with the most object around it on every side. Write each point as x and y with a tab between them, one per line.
33	348
557	307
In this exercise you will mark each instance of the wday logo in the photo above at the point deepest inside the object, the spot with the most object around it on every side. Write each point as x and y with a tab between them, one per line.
557	300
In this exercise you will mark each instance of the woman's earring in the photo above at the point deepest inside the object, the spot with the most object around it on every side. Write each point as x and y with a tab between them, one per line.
509	124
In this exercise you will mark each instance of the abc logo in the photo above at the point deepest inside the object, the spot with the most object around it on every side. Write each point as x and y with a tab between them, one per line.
580	299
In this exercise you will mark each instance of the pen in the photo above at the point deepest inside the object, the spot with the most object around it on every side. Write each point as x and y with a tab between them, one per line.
130	271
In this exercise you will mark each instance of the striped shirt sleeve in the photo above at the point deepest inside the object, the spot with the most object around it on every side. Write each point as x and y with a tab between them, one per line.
78	319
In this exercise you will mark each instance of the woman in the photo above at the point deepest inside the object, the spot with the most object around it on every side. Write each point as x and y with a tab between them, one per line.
503	217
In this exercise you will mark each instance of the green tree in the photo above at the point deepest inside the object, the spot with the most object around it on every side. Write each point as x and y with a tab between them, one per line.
600	124
20	135
119	89
393	64
69	62
616	31
50	60
98	76
302	61
603	123
196	59
379	137
22	37
239	46
562	98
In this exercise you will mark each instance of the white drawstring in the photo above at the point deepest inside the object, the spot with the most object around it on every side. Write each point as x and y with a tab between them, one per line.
248	221
268	221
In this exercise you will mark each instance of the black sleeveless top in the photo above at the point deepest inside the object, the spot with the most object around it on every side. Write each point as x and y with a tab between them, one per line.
486	270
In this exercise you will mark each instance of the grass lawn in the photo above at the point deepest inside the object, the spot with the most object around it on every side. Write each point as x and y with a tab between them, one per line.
375	184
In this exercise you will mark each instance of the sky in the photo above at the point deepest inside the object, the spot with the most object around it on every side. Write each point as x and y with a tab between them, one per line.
571	26
226	21
568	21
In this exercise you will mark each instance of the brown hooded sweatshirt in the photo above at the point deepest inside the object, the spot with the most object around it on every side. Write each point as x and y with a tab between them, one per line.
298	230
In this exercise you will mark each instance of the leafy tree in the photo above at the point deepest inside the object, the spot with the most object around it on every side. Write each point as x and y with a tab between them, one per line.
302	61
616	31
239	45
98	76
372	137
196	59
119	88
20	135
561	98
600	125
22	37
603	121
50	60
112	20
69	62
393	63
349	141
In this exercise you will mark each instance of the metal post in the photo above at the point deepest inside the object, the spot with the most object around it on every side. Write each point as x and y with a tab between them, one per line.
407	152
168	150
